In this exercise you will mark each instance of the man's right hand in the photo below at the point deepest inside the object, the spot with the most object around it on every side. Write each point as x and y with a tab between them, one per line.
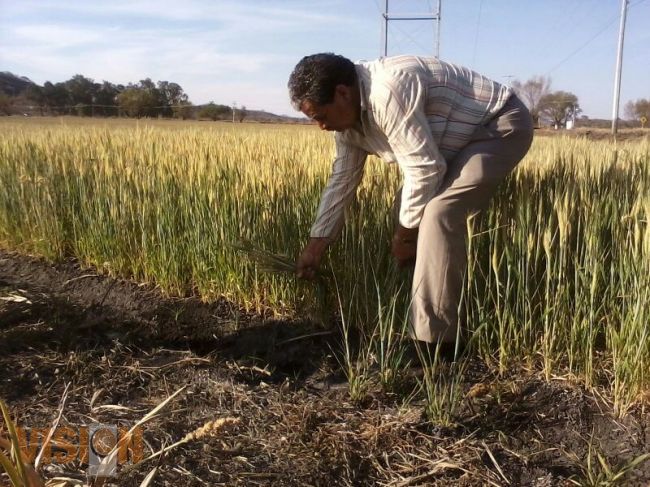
309	260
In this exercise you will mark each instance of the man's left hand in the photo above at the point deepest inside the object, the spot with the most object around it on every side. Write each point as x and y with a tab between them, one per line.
404	246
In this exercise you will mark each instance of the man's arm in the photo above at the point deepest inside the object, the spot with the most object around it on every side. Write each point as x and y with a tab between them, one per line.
347	172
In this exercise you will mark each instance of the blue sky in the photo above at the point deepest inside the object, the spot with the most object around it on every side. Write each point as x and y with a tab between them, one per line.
243	51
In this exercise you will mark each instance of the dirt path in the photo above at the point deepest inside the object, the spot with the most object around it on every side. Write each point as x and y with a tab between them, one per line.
121	349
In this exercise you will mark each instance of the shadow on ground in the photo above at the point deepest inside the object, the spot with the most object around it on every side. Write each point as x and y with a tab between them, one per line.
109	351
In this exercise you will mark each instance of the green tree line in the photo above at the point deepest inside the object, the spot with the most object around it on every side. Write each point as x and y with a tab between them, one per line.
82	96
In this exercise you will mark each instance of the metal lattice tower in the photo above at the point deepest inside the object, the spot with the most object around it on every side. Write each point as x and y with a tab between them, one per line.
386	17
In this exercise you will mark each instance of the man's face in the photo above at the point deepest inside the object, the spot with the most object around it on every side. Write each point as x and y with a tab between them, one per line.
341	114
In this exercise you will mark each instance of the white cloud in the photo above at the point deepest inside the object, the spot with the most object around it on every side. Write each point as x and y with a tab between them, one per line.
52	36
207	70
220	47
217	50
251	15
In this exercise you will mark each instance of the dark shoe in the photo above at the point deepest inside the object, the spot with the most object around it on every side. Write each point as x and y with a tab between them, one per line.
450	352
446	351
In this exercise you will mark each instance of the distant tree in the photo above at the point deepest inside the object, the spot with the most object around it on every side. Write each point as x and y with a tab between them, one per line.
5	104
136	101
152	93
170	94
57	98
630	110
81	110
241	113
13	85
106	99
213	111
636	110
34	94
558	106
183	110
531	93
81	94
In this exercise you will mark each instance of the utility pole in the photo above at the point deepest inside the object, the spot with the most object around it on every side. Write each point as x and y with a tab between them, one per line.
438	28
386	17
619	67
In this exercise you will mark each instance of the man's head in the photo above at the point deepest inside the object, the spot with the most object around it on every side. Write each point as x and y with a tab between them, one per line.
324	87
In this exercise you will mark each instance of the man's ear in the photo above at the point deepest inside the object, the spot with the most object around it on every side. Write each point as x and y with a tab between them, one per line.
344	92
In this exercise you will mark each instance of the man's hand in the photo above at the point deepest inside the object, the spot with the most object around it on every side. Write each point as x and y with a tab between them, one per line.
309	260
405	245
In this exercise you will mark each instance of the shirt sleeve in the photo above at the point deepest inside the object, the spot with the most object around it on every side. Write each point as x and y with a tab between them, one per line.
400	111
347	172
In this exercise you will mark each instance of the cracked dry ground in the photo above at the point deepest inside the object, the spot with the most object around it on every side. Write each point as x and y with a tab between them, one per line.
120	349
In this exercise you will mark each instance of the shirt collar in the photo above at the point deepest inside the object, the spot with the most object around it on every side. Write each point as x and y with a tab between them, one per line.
363	78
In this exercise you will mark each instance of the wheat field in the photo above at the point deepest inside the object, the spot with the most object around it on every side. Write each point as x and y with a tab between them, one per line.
559	266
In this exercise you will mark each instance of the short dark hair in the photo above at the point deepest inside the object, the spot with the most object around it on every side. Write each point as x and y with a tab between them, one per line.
316	77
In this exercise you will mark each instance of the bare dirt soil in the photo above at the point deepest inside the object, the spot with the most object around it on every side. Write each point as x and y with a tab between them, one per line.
121	348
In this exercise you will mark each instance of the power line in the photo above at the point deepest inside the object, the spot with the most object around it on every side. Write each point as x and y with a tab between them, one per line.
607	26
564	22
567	19
603	29
478	25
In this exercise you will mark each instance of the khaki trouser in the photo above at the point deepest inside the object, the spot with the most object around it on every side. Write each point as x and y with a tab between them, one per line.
472	178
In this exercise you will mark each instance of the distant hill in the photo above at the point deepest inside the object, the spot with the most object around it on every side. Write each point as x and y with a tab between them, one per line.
13	85
262	116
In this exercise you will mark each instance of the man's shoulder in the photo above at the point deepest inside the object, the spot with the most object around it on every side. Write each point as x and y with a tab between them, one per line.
384	76
398	64
385	73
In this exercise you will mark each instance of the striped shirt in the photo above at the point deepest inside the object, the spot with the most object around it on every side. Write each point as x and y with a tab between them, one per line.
416	111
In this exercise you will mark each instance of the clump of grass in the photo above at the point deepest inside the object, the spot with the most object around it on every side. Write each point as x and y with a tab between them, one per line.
442	386
272	263
265	260
596	470
390	338
355	361
19	472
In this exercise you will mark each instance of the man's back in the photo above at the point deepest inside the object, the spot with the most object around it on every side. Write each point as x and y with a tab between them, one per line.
454	99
